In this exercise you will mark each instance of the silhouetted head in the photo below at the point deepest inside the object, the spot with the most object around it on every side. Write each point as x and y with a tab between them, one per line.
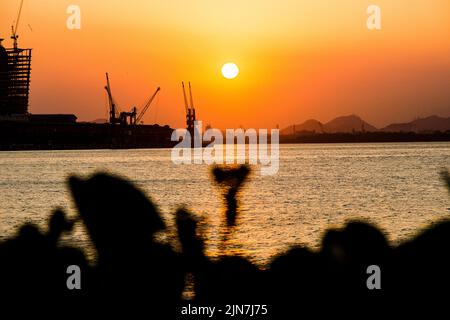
297	268
115	212
230	279
357	241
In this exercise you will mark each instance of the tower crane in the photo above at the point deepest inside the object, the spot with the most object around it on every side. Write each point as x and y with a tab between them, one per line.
14	35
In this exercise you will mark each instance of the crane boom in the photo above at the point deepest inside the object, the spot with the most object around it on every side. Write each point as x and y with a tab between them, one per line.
14	35
147	105
107	84
185	98
190	96
108	90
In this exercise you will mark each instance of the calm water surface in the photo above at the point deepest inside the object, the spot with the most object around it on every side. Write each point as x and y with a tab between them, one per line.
395	186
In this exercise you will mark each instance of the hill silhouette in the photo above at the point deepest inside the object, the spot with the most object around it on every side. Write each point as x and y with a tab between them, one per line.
311	125
428	124
350	123
344	124
353	123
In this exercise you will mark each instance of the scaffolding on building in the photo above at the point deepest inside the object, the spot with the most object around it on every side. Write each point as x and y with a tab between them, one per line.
18	71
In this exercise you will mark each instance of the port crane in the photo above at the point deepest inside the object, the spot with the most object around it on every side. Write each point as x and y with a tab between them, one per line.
126	118
112	104
190	109
146	106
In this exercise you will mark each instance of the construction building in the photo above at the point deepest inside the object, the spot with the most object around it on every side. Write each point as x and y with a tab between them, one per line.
15	70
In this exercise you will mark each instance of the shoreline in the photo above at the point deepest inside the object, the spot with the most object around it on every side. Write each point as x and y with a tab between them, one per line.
149	143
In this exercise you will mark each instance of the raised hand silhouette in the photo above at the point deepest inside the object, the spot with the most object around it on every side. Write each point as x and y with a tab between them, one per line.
230	180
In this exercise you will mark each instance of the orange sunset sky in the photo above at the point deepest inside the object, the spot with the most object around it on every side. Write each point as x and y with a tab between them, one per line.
297	59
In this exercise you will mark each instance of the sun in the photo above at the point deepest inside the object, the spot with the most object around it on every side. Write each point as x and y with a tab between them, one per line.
230	70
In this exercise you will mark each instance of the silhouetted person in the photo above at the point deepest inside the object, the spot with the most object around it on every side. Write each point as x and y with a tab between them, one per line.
33	269
228	279
294	280
134	270
191	243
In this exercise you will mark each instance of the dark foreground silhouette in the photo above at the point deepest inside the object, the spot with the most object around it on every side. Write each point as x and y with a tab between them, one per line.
136	274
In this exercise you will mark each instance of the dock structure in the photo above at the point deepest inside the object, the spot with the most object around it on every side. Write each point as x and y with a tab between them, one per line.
22	130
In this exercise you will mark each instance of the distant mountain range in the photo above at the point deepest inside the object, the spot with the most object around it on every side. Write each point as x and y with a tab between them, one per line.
353	123
433	123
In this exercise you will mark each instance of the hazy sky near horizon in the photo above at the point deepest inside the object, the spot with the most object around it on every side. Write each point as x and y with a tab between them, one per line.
298	59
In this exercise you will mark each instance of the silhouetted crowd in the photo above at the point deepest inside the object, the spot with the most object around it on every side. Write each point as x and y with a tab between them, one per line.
138	275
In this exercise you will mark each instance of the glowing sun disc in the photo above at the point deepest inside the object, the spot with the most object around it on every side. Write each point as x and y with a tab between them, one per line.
230	70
